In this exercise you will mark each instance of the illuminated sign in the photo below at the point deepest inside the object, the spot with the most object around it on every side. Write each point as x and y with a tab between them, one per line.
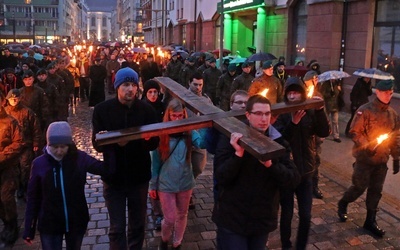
230	5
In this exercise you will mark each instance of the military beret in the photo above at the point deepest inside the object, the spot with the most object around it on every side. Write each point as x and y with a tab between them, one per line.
267	65
384	85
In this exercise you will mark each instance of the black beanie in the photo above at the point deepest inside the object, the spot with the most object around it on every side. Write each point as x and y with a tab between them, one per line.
150	84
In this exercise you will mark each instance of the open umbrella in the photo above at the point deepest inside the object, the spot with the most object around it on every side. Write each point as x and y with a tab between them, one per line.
139	50
261	56
35	46
37	56
373	73
182	53
332	74
115	44
224	51
238	60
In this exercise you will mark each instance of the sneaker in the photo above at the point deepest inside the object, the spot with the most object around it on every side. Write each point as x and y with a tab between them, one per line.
157	223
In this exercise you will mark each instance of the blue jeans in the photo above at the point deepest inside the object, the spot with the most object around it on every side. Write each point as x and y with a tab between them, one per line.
73	240
304	199
228	240
116	199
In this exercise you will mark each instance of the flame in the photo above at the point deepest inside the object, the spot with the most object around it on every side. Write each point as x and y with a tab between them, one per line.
310	91
264	92
381	138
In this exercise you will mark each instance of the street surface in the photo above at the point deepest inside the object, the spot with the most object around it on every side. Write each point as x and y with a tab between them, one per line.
326	230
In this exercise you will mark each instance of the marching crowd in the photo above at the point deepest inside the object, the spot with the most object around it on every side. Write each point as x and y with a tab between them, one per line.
41	164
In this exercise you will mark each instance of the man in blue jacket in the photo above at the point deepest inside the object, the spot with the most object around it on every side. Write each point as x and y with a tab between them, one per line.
131	159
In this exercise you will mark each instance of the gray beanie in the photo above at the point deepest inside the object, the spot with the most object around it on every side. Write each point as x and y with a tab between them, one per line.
59	133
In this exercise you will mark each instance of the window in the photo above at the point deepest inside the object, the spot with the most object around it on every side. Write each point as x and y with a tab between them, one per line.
299	31
93	21
104	22
386	51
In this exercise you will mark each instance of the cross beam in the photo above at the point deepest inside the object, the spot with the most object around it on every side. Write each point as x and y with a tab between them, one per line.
253	141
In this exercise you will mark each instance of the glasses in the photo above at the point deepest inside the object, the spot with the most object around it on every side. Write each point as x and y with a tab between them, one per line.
173	116
240	102
261	114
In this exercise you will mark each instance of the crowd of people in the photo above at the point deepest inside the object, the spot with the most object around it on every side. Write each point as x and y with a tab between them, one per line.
36	140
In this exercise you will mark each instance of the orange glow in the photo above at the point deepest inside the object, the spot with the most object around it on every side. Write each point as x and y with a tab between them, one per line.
381	138
310	91
264	92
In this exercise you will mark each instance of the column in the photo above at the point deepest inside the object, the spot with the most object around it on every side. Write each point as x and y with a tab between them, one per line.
261	30
227	32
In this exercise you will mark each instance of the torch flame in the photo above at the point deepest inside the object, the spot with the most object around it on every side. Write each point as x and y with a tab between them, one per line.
310	91
264	92
381	138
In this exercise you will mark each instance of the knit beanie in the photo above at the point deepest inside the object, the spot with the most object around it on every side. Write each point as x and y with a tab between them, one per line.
59	133
126	75
150	84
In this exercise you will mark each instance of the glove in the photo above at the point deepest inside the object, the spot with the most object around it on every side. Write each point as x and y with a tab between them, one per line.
396	166
370	151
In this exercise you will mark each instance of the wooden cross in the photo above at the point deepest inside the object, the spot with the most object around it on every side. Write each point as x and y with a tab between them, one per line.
257	144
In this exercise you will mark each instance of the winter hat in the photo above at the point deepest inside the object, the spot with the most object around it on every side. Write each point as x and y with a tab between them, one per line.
384	85
310	75
59	133
150	84
211	60
246	65
125	75
232	67
27	73
41	72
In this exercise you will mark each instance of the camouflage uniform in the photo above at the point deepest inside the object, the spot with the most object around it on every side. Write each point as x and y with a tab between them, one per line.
242	82
35	98
32	136
224	90
10	149
275	90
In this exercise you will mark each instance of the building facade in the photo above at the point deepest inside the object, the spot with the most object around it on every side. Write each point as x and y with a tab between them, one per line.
39	21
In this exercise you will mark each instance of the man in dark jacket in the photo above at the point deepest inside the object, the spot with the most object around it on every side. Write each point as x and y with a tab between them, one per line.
131	159
149	69
59	82
359	94
373	120
52	95
211	77
243	81
97	75
224	87
10	149
174	68
187	72
300	129
248	201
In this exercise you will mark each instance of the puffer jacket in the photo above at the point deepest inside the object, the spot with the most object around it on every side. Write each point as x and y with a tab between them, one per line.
175	174
56	193
372	120
11	140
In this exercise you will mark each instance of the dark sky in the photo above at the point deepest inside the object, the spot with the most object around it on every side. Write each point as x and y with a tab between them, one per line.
101	5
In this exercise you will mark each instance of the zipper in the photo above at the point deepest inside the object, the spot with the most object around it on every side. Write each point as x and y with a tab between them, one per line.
64	198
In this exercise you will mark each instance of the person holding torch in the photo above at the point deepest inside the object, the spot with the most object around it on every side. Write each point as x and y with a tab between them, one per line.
374	131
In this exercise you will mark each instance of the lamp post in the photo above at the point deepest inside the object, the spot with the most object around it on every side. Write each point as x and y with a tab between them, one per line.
14	33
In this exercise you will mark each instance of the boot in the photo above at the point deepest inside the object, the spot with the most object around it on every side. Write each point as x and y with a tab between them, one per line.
371	225
163	245
11	233
342	210
317	193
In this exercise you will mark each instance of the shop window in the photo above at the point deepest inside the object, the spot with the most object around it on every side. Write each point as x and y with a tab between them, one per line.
299	31
386	51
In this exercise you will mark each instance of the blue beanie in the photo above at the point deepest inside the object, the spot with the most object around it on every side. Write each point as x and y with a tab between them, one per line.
125	75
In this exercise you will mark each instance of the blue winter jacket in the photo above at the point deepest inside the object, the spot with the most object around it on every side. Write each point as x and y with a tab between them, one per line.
176	174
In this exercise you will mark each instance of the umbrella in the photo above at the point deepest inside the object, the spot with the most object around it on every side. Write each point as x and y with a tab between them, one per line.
139	50
35	47
224	51
295	70
115	44
182	53
373	73
332	74
37	56
225	59
261	56
238	60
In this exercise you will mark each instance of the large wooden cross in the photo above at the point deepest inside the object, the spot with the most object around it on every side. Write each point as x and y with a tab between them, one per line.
253	141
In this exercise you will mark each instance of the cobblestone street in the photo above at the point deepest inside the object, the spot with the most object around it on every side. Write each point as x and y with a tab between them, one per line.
326	230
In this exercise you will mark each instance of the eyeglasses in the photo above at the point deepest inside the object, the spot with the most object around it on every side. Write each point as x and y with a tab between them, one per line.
261	114
240	102
173	116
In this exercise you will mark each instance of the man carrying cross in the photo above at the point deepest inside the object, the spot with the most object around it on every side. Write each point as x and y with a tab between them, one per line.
248	199
130	160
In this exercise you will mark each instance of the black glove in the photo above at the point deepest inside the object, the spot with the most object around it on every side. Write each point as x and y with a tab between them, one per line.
396	166
217	100
371	151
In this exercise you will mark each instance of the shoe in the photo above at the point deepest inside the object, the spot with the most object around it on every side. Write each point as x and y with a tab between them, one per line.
157	223
342	210
191	204
337	140
374	228
163	245
317	193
